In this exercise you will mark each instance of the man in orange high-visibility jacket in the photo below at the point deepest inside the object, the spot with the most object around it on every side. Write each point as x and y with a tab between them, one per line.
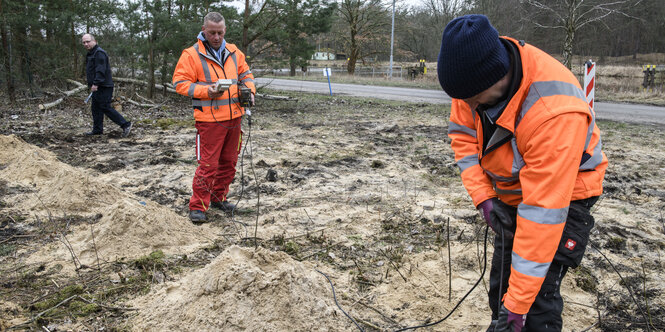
218	114
530	156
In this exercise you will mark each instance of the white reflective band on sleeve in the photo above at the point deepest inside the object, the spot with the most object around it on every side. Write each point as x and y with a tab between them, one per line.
525	266
542	215
538	90
192	87
175	85
467	162
454	128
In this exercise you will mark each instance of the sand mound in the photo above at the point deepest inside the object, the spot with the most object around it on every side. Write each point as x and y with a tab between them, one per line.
243	289
130	226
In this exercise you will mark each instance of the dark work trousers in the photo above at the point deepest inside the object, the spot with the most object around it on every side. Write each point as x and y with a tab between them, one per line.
545	313
101	104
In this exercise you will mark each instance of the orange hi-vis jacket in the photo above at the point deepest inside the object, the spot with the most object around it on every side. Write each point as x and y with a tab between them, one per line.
545	152
196	70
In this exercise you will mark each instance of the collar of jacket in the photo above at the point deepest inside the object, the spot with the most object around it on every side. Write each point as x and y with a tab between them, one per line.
509	116
94	49
204	52
204	45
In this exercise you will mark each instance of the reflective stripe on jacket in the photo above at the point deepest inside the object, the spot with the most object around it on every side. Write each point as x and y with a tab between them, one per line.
196	70
545	152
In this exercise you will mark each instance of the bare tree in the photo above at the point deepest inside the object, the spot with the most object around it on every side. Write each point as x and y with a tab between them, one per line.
419	28
363	23
443	11
571	15
257	20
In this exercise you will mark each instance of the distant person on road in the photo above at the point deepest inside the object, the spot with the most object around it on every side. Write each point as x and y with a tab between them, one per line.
100	82
530	156
218	114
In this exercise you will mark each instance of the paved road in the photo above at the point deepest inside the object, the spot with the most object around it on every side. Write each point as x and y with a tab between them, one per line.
643	114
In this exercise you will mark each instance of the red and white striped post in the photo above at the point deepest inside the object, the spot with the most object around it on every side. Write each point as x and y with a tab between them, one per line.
589	81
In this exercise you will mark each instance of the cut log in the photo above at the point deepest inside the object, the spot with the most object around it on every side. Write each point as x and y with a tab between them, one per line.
80	87
135	81
273	97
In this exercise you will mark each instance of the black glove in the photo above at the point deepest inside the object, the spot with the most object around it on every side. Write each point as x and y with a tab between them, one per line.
498	217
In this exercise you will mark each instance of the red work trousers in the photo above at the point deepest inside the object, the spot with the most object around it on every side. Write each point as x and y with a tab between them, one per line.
217	149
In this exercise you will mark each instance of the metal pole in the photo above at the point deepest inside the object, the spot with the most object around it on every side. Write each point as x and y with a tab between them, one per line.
392	39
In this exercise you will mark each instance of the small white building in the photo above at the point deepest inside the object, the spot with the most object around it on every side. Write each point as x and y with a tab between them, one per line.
323	56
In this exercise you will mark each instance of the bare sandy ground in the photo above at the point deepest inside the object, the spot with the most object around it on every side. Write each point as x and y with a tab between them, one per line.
365	192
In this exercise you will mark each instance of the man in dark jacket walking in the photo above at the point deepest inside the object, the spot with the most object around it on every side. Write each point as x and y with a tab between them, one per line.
98	72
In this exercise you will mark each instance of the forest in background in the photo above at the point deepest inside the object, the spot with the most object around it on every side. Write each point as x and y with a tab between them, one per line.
41	39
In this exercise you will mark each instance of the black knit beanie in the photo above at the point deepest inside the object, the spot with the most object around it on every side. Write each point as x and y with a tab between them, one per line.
472	58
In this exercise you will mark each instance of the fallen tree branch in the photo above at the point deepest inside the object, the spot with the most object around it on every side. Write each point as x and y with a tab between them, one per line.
273	97
79	87
135	81
137	103
144	98
67	300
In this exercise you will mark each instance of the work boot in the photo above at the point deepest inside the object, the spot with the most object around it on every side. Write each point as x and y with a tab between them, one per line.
126	129
92	133
197	216
225	206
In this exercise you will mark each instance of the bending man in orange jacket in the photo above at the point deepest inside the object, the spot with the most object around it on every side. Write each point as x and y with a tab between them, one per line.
218	114
530	156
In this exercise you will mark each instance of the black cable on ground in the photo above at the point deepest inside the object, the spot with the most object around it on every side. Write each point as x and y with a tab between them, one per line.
429	324
463	298
256	180
625	285
338	306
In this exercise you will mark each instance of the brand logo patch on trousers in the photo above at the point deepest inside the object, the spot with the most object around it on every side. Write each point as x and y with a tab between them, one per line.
570	244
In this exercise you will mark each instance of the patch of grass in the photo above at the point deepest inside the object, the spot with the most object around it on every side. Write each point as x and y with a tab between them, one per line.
355	238
83	309
585	280
292	248
616	243
168	123
63	294
77	306
7	249
154	260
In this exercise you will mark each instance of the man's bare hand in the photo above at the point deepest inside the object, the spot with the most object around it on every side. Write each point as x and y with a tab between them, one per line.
212	94
93	88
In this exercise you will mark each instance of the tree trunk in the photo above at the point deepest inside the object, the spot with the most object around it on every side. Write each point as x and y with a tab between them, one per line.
568	48
151	69
292	64
245	29
169	3
351	65
638	39
8	58
75	56
353	52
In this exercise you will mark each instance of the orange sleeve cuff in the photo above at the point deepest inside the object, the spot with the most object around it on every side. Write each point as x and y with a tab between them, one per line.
515	306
